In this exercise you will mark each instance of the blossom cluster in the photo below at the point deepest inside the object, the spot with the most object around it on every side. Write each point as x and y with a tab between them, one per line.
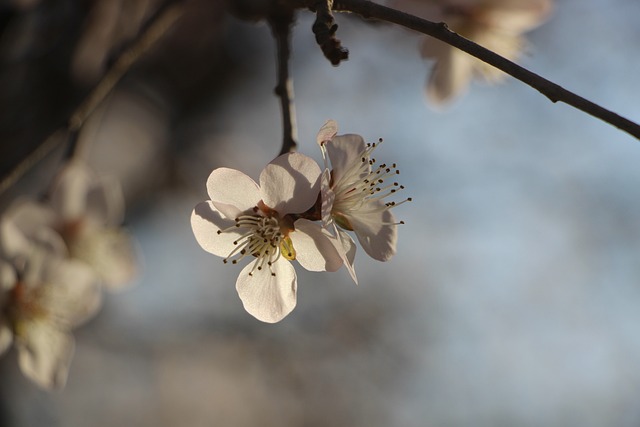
55	256
299	211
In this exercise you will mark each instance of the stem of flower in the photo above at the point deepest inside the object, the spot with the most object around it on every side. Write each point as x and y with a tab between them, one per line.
280	21
440	31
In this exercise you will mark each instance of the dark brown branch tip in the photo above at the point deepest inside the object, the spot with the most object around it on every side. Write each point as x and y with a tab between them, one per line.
325	29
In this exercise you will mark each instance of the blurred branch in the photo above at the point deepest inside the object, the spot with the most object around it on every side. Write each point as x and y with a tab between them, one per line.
156	27
280	21
440	31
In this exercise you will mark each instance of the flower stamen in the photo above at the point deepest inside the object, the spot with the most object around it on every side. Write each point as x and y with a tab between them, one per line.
262	239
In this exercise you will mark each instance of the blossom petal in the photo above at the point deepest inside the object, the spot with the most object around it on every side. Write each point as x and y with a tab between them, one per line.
345	153
69	194
327	131
27	223
232	192
105	202
328	197
518	18
73	293
376	233
450	76
206	221
111	253
267	297
348	253
8	278
6	336
44	354
290	183
314	248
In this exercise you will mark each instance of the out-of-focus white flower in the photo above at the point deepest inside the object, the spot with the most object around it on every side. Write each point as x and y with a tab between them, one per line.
244	219
86	211
352	197
498	25
42	298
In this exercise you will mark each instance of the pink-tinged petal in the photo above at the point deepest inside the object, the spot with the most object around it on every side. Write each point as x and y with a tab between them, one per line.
345	153
290	183
376	233
450	76
266	297
69	194
232	192
6	336
348	253
328	197
327	131
105	202
44	354
206	221
314	248
72	295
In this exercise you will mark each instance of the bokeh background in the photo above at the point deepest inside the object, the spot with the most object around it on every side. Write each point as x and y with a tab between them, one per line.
513	299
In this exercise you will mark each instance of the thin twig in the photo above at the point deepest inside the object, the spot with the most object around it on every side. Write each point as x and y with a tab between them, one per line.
281	22
325	29
158	26
156	30
440	31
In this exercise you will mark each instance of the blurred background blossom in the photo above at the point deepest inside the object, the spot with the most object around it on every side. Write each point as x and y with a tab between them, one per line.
513	299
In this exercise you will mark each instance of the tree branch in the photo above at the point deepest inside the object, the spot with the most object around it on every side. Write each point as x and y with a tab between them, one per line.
440	31
158	25
157	28
280	21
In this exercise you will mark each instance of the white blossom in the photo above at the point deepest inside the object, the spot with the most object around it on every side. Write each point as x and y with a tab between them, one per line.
266	223
42	298
86	211
353	195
